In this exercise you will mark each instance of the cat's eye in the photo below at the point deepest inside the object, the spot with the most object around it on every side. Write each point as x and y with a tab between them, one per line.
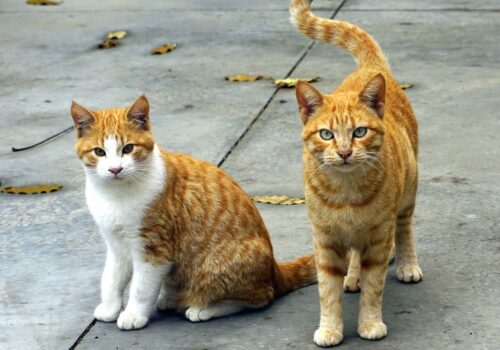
128	148
360	132
99	152
326	134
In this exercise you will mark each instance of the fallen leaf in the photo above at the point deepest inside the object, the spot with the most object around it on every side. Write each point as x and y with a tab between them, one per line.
107	44
164	49
120	34
278	200
37	189
406	86
43	2
244	77
291	82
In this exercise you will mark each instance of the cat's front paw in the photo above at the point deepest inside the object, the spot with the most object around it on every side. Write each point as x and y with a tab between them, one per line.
351	284
325	336
372	330
129	320
107	312
409	273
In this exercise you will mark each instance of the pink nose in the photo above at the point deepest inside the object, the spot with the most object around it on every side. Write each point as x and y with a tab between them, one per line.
115	171
344	154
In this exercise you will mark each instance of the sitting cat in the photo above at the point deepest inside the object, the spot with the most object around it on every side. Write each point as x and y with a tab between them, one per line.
173	223
360	170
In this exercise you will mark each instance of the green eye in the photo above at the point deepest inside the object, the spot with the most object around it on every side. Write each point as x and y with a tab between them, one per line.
326	134
360	132
127	149
99	152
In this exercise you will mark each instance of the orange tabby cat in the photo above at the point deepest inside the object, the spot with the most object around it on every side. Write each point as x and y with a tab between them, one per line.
174	223
360	150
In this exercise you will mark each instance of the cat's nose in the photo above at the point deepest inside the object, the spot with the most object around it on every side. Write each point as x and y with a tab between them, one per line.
115	171
344	154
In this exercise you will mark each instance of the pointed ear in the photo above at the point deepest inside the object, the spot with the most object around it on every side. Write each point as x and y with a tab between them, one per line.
373	95
138	113
309	100
82	117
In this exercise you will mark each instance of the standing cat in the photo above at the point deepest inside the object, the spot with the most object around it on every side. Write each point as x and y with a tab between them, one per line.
360	150
174	223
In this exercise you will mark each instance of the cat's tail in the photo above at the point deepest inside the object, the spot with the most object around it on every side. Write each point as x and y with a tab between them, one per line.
294	274
351	38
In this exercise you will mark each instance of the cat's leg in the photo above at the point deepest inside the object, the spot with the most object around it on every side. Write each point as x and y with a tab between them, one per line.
330	264
144	290
374	261
218	309
115	277
407	269
168	295
351	280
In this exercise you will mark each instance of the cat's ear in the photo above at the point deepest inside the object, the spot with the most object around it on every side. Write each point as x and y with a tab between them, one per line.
138	113
82	117
373	94
309	100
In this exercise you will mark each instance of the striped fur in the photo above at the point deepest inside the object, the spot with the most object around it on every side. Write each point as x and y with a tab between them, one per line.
360	190
180	228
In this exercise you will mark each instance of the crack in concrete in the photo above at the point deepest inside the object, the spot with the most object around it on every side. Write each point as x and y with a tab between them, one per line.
271	98
84	333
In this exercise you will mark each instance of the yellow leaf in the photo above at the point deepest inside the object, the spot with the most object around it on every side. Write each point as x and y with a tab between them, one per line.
291	82
43	2
120	34
164	49
406	86
37	189
278	200
107	44
244	77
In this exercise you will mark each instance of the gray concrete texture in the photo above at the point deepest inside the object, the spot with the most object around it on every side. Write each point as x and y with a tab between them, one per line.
51	254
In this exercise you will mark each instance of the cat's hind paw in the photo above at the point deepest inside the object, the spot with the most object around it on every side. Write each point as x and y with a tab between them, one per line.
325	336
372	330
409	273
107	312
351	284
128	321
199	314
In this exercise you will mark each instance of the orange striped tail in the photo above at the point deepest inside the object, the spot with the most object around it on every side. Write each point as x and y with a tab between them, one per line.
351	38
291	275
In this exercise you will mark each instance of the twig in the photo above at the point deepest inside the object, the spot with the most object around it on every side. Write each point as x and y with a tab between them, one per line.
65	131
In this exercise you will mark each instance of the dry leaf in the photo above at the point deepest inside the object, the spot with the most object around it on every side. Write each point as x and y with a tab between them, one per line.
43	2
120	34
107	44
279	200
291	82
406	86
164	49
244	77
37	189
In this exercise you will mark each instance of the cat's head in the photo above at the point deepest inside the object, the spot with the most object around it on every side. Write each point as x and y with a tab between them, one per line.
114	144
343	131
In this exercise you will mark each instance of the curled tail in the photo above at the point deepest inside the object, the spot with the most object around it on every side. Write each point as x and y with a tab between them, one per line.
294	274
351	38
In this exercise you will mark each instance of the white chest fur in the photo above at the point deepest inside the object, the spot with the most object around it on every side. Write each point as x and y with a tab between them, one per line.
118	206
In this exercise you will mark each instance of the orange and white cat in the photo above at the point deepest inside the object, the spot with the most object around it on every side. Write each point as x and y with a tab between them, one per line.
181	229
360	170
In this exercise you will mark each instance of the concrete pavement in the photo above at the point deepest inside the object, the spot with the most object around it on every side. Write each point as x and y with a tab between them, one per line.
51	254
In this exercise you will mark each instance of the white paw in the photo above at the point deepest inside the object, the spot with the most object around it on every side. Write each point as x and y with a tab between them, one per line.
409	273
372	330
351	284
128	321
107	312
199	314
327	336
